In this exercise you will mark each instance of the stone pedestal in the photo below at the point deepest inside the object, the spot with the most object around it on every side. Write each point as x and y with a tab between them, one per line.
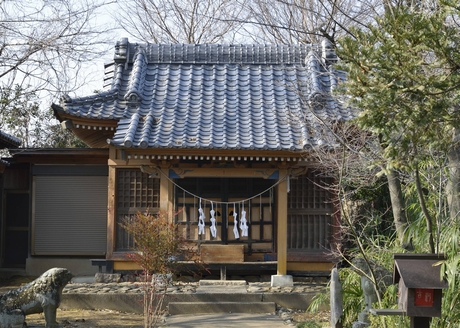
359	324
363	320
282	281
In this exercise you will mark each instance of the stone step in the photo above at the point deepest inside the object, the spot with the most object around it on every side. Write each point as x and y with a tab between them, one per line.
222	287
204	282
176	308
221	290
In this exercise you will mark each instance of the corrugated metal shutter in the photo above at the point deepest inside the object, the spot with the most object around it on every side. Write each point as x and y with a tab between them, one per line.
70	215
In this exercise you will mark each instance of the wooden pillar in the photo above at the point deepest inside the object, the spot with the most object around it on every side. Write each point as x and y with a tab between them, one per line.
166	194
281	236
420	322
111	206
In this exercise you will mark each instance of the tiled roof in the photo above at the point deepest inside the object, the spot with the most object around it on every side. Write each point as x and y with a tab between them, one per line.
245	97
8	141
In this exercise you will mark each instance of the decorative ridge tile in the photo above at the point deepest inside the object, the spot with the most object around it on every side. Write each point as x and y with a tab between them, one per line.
245	54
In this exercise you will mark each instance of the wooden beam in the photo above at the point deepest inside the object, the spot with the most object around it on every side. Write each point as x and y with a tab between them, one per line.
219	154
224	172
88	121
281	234
131	162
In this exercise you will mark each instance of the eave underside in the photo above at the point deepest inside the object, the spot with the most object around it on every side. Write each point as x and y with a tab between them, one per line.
93	132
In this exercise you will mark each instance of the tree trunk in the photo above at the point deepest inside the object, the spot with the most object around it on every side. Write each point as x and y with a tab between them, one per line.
426	213
453	186
398	206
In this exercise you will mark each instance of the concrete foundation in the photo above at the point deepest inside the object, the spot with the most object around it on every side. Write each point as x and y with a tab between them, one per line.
282	281
35	266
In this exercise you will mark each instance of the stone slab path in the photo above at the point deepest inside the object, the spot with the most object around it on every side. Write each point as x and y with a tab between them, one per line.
226	320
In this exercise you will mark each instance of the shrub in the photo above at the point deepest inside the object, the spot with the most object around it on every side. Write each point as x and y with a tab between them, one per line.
157	246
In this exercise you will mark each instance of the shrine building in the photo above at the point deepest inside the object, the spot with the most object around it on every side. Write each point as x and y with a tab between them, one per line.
221	138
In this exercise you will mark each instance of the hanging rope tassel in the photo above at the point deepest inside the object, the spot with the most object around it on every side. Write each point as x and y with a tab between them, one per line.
243	223
213	222
201	220
235	223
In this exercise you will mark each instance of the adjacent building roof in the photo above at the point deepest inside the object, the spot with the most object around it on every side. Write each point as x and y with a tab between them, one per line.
233	97
8	141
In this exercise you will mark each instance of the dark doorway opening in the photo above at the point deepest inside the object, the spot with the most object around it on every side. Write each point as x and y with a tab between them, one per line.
16	230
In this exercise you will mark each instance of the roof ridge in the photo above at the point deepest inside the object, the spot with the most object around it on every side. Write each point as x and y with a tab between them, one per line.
249	54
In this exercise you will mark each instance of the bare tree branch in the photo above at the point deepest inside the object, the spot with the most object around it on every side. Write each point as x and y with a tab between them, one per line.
309	21
182	21
44	43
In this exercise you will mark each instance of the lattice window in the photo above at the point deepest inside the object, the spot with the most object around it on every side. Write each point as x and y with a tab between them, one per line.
136	192
310	212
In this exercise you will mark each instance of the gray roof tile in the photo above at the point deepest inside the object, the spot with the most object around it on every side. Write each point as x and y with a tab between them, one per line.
215	96
8	141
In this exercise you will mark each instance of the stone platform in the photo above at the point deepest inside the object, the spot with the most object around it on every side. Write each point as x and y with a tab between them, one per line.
128	296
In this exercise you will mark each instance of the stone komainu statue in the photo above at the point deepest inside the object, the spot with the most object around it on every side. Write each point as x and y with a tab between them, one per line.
41	295
384	278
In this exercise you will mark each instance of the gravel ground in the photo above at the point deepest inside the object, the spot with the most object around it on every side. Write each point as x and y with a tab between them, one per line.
88	319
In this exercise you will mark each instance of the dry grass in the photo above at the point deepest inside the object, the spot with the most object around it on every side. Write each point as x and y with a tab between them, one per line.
88	319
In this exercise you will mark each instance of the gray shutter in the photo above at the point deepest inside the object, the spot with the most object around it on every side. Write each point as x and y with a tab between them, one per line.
69	215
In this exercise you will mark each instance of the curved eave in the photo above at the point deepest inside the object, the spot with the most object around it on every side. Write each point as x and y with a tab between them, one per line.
93	132
58	111
299	150
93	136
